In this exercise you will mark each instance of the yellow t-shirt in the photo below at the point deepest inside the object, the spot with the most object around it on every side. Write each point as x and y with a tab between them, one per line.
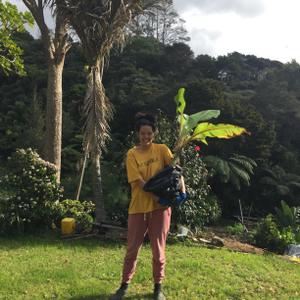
143	164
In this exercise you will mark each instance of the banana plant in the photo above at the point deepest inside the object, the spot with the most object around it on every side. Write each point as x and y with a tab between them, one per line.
196	128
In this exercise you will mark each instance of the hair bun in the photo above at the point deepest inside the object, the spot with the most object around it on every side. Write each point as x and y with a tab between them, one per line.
146	116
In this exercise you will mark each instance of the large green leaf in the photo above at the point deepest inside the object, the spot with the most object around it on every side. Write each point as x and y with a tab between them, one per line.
192	120
221	131
180	102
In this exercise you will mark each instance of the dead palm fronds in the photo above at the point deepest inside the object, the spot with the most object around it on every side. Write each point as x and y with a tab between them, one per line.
99	25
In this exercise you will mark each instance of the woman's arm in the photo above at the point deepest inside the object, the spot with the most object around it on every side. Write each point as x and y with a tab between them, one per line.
182	185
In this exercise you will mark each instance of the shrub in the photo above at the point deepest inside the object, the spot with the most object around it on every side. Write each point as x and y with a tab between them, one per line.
237	229
29	193
116	190
287	216
268	235
82	212
202	207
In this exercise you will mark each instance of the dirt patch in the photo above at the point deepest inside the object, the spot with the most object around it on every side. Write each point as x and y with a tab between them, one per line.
242	247
210	233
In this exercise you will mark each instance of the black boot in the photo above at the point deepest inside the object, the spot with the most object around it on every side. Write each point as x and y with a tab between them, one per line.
120	293
158	294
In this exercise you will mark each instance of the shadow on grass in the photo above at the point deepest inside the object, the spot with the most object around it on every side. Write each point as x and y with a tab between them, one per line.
106	297
53	239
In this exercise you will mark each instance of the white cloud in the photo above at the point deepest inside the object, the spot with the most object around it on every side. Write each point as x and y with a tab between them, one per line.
241	7
35	30
265	28
270	32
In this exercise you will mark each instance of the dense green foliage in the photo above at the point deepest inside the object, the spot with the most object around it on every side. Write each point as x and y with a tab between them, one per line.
258	94
276	232
28	193
202	206
11	22
81	211
269	235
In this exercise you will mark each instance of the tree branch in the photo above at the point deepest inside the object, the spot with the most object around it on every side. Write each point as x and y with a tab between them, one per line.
37	10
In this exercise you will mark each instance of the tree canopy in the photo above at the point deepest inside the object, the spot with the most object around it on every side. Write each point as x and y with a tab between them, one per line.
11	22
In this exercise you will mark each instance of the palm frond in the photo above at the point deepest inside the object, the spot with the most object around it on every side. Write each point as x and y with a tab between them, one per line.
235	170
99	25
97	112
240	173
235	181
223	170
245	162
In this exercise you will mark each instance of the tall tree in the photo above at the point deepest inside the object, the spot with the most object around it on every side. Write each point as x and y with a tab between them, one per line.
99	25
56	46
11	21
161	21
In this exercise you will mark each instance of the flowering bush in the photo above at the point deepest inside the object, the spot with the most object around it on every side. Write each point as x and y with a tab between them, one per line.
29	192
202	207
81	211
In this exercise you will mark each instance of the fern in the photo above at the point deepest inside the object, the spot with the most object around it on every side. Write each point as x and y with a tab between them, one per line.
245	162
240	173
236	170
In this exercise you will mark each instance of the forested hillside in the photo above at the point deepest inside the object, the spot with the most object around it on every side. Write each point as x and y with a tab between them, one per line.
256	93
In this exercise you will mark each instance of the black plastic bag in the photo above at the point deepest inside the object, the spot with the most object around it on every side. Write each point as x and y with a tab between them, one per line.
166	183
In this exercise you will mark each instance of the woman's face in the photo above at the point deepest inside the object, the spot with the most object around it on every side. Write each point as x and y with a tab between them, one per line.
146	135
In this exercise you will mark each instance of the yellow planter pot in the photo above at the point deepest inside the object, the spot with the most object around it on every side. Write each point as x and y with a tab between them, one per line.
67	226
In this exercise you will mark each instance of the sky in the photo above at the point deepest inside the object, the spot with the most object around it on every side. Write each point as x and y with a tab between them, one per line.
264	28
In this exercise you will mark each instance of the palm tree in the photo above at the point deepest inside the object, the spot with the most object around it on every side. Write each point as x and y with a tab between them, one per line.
235	170
99	25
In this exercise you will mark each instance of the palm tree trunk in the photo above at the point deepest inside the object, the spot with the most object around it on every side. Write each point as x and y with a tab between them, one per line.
97	187
81	175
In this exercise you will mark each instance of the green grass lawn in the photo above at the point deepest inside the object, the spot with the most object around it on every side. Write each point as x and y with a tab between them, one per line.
50	268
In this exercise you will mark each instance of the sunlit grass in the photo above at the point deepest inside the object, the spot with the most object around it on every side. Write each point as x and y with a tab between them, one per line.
50	268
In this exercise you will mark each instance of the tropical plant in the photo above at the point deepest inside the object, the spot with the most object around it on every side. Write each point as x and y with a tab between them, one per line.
202	207
235	170
267	234
192	128
99	26
287	216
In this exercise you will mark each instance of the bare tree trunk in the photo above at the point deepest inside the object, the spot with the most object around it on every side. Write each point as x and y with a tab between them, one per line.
56	47
97	187
53	136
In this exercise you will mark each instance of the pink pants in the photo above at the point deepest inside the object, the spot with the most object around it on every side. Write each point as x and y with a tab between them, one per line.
157	223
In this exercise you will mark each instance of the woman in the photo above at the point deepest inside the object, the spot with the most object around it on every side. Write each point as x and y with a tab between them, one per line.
145	213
